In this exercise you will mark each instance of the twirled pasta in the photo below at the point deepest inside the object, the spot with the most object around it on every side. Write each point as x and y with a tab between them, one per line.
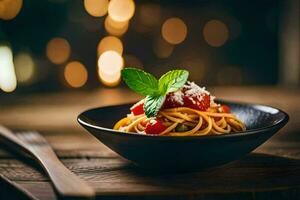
199	123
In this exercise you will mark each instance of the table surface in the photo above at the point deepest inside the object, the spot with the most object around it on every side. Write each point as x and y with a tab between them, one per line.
271	171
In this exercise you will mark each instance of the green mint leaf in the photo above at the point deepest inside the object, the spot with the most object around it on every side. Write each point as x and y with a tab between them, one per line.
172	81
153	104
140	81
154	90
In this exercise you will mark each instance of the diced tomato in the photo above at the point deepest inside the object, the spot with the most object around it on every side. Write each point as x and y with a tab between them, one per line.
225	109
155	127
138	108
197	102
170	102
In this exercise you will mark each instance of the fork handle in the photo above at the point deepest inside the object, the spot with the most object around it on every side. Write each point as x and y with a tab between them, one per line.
9	138
65	182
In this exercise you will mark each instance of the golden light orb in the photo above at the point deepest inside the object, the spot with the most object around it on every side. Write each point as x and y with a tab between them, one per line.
25	67
215	33
121	10
58	50
110	43
174	30
75	74
110	63
8	81
96	8
110	80
115	28
162	49
9	9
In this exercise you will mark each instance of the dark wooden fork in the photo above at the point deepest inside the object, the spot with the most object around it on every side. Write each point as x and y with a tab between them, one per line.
65	182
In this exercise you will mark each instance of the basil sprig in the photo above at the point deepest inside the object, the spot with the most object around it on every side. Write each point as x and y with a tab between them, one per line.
154	90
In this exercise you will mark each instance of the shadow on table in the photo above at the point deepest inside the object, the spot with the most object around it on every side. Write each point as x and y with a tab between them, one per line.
256	176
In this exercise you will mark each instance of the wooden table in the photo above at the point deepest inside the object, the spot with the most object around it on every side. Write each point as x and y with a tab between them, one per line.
271	172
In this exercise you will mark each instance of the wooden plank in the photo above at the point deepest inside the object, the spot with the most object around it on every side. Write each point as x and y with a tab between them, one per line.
43	192
18	192
83	145
256	172
72	144
40	190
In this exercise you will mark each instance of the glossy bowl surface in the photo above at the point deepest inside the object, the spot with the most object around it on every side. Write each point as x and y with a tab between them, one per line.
184	153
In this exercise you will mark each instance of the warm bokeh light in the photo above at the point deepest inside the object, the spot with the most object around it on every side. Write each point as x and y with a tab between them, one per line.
114	27
132	61
58	50
110	64
110	80
96	8
116	24
9	9
110	43
8	81
75	74
174	30
121	10
25	68
162	49
215	33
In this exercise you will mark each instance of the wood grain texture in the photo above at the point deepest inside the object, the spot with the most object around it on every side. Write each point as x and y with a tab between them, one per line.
65	182
116	176
271	172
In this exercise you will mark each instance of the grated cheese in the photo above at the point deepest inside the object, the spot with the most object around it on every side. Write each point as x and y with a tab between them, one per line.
191	90
194	90
178	97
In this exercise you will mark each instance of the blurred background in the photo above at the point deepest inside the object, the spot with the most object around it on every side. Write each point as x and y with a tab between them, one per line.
63	45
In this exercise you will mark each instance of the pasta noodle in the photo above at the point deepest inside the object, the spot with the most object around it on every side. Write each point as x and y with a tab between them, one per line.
199	123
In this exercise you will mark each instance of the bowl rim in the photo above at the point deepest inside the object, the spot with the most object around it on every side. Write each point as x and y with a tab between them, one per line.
279	123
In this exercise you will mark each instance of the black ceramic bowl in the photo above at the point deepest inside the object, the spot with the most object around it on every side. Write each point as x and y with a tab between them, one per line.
184	153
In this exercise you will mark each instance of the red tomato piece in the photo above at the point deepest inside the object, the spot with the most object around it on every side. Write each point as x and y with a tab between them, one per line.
155	127
137	109
170	102
197	102
225	109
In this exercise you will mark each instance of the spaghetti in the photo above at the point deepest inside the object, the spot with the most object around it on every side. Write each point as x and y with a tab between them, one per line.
196	122
189	111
